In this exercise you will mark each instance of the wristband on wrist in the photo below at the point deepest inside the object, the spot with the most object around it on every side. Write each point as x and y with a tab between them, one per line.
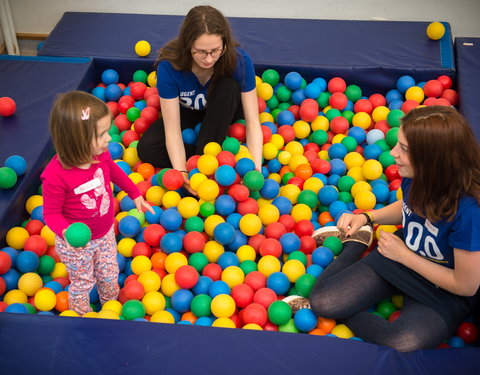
369	217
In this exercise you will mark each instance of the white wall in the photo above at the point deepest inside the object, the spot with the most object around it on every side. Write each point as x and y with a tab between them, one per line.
40	16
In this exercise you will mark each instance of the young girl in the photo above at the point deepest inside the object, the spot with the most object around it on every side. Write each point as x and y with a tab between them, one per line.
202	76
435	263
76	188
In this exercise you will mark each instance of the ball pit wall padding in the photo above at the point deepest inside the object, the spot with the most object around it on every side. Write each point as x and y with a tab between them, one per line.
33	83
467	52
361	52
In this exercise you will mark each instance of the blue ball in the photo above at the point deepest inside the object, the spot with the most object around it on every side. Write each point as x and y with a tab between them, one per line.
393	95
94	297
338	166
234	219
129	226
153	218
27	261
99	92
175	313
315	270
202	286
124	166
11	278
224	233
225	205
113	92
372	151
110	76
121	262
171	243
228	259
16	308
279	283
141	104
270	189
225	175
244	165
404	83
17	163
54	285
11	252
293	80
239	240
358	133
171	219
298	96
456	342
312	90
396	104
337	151
322	256
116	150
283	204
204	321
189	136
271	126
381	192
290	242
274	166
305	320
37	214
181	300
218	287
327	194
322	83
337	207
285	118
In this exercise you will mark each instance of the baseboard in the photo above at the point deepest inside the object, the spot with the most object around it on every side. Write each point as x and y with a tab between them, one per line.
31	36
3	49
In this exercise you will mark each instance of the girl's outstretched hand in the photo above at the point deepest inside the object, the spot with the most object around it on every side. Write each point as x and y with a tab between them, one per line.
143	205
350	223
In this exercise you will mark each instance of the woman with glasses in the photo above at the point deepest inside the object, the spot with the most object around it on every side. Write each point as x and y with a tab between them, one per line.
203	76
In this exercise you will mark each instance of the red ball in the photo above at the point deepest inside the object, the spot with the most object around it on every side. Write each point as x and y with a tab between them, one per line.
226	158
255	313
363	105
113	106
408	105
297	181
287	133
130	136
186	277
153	233
468	332
122	122
339	124
194	242
433	88
143	186
150	114
270	246
267	134
442	101
256	280
134	290
309	110
262	105
311	147
36	244
63	281
446	81
391	172
125	103
7	106
311	155
307	244
338	100
295	109
383	126
304	228
320	166
34	226
3	286
269	326
242	294
265	297
451	96
53	253
213	271
248	206
153	101
394	316
337	84
141	125
172	179
192	162
5	262
429	101
239	193
275	230
141	248
137	90
395	184
288	221
238	130
256	240
377	100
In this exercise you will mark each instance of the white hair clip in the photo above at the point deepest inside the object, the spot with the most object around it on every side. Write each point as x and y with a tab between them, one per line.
85	113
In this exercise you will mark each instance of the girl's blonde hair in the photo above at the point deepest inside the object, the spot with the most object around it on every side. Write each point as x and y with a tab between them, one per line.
73	126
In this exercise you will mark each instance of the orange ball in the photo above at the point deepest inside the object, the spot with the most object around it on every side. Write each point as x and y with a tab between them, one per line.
325	218
304	171
62	301
189	317
158	260
326	324
146	170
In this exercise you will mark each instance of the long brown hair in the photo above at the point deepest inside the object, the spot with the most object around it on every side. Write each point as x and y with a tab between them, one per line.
201	20
445	157
72	130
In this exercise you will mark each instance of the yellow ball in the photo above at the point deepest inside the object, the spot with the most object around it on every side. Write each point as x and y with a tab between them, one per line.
385	228
435	30
268	214
125	246
258	80
188	207
275	177
45	299
152	79
356	173
380	113
301	211
360	186
278	141
223	306
60	270
290	192
362	119
90	314
365	200
246	252
320	123
296	160
69	313
269	264
301	129
342	331
415	93
121	215
174	261
207	164
269	151
372	169
313	183
208	190
353	159
15	296
212	148
337	138
233	276
150	280
294	148
48	235
252	326
284	157
250	224
130	156
169	285
154	195
121	194
293	268
142	48
16	237
153	302
33	202
113	305
171	199
108	314
323	154
399	194
213	250
211	223
196	179
162	316
136	177
397	300
29	283
265	117
224	323
264	91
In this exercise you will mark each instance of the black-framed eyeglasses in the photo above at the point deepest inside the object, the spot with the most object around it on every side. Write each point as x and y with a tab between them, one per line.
215	53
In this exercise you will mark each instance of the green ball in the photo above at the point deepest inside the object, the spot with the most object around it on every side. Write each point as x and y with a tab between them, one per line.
284	106
345	197
288	327
255	195
283	94
319	137
279	313
116	138
194	224
78	234
287	176
271	77
334	244
345	183
304	284
140	76
348	115
309	198
133	113
207	209
8	178
253	180
46	266
386	308
137	214
304	83
133	144
353	93
392	137
394	118
273	102
332	113
231	144
168	302
198	261
350	143
133	309
298	255
248	266
30	308
113	130
46	278
383	144
386	159
200	305
323	99
160	177
275	113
